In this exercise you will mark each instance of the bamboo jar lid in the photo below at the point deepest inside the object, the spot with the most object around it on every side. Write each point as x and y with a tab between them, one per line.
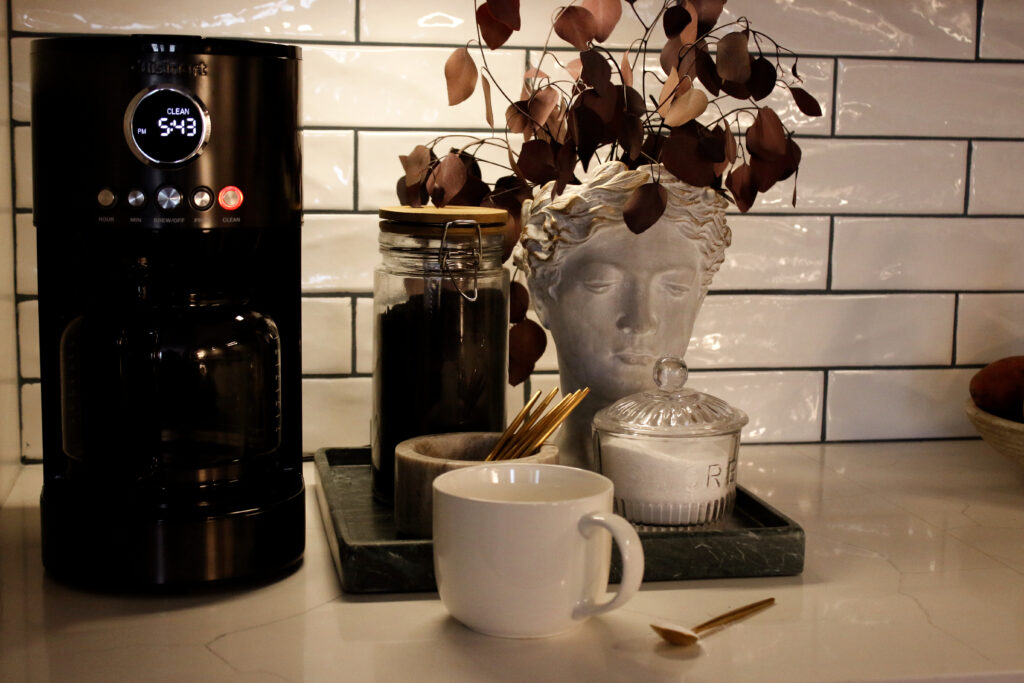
432	215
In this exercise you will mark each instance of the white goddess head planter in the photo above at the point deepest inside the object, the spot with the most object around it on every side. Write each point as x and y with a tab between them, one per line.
615	301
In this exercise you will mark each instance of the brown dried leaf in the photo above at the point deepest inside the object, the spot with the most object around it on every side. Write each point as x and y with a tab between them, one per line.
576	26
411	195
447	178
806	102
674	20
488	112
542	104
686	107
526	344
415	164
626	70
506	11
460	76
597	72
730	152
690	33
631	135
766	173
766	137
708	12
681	156
537	162
518	302
741	183
671	54
668	92
732	59
712	146
644	207
606	15
587	129
471	193
762	78
517	117
494	32
704	65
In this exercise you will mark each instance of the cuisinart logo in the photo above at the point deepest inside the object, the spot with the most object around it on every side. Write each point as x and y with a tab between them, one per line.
171	68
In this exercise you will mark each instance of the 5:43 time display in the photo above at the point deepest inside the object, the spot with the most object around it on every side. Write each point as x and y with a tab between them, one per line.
186	126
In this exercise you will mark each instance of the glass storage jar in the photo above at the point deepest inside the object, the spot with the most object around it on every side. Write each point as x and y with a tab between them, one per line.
671	452
440	302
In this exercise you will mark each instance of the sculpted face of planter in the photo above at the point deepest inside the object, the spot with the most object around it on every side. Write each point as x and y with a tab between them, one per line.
614	301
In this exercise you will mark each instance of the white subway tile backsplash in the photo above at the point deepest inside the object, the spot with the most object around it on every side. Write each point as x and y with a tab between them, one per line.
928	253
31	421
874	98
25	255
336	413
328	164
28	339
775	252
339	252
989	327
782	406
996	169
1002	24
897	404
333	20
871	176
812	331
393	87
326	335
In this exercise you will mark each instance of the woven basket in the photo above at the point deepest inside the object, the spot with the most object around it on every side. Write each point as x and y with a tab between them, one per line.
1006	436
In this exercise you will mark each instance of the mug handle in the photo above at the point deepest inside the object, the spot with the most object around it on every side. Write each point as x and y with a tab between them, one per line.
632	561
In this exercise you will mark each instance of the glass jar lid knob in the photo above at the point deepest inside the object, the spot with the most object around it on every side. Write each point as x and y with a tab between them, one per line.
670	373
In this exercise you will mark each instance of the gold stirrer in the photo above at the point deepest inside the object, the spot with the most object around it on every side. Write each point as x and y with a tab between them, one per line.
528	430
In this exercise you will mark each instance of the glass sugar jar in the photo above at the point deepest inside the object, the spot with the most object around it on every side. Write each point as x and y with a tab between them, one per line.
671	451
440	301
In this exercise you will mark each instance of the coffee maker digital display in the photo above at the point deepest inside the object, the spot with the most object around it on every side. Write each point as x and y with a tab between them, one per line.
169	308
166	125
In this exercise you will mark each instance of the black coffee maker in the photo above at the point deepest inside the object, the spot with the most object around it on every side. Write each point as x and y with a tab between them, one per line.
167	199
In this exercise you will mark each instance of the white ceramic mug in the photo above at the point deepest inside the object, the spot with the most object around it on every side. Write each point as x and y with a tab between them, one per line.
523	550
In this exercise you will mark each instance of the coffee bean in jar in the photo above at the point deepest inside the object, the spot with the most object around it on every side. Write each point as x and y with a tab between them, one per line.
441	328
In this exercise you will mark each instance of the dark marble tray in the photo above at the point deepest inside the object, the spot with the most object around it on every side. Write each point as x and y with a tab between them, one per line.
755	540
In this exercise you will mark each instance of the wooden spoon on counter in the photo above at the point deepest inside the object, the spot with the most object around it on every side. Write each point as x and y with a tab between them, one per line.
689	636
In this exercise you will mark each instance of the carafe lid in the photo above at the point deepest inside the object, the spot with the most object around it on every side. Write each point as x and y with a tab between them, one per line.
671	410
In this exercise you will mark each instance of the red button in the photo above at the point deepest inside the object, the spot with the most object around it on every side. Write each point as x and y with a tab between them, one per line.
229	198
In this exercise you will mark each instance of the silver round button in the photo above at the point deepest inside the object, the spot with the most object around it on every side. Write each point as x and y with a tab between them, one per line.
106	197
168	198
136	198
202	198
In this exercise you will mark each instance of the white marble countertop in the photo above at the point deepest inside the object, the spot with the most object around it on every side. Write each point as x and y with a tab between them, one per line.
914	570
